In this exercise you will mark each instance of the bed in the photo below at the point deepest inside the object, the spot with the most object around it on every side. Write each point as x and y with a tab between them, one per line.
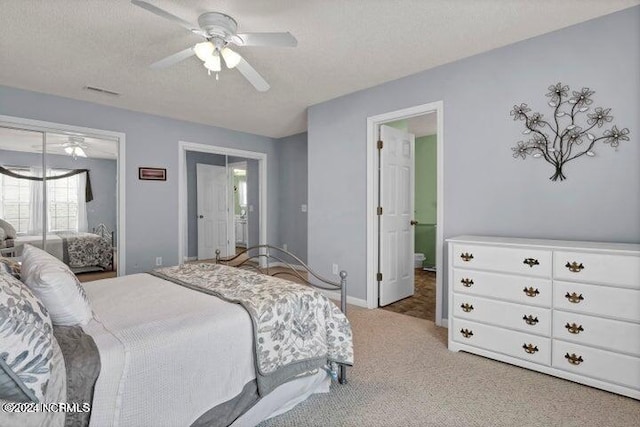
82	252
206	344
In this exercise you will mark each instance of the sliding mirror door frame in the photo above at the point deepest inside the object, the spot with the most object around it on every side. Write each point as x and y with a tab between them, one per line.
183	224
58	128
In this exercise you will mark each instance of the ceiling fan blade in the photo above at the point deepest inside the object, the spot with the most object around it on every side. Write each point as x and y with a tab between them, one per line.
268	39
252	75
164	14
173	59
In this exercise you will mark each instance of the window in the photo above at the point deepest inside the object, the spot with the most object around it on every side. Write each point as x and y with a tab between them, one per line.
62	195
62	201
14	200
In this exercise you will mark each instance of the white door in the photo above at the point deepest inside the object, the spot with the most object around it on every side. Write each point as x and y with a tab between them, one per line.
211	183
397	183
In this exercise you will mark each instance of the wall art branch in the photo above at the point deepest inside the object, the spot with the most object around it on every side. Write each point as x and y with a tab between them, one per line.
571	131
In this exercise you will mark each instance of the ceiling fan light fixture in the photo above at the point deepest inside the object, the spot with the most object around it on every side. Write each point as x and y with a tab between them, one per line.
80	152
68	150
213	63
231	58
204	51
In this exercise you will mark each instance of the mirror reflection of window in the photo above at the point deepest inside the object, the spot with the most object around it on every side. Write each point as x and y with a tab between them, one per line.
15	199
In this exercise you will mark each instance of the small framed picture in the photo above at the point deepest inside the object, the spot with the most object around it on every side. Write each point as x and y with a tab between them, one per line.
152	174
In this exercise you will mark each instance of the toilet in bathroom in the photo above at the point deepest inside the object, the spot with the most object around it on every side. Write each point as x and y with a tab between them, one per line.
418	259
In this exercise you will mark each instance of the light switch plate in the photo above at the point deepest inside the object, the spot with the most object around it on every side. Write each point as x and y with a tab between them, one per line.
303	208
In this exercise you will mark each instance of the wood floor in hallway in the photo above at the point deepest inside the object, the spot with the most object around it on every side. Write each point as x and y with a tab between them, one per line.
423	302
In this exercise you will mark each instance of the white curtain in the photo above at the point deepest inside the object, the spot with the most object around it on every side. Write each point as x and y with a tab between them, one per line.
36	202
83	224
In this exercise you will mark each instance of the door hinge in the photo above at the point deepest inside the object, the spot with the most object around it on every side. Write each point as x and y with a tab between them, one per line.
379	211
380	144
379	277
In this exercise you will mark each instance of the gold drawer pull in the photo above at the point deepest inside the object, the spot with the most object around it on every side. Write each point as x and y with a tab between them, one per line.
466	256
574	267
530	320
531	292
573	359
467	282
574	298
574	328
530	348
467	307
466	332
531	262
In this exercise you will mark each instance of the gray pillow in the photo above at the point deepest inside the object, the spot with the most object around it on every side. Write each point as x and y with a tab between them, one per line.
26	342
9	231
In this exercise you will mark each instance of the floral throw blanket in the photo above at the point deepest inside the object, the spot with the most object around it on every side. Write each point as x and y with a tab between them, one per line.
296	328
85	250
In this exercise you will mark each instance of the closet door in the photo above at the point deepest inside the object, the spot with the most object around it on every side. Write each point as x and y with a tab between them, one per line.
81	201
23	219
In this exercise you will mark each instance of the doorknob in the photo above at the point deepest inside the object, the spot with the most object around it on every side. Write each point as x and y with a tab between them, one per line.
200	216
414	222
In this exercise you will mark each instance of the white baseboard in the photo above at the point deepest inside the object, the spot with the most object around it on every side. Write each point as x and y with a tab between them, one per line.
335	295
190	258
444	323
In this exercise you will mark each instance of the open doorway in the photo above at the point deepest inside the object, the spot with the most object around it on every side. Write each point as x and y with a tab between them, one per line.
405	239
221	191
421	220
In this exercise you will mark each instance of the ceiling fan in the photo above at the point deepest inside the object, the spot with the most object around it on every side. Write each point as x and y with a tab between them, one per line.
220	31
75	146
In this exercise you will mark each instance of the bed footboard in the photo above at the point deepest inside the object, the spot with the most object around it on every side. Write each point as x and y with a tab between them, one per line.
274	261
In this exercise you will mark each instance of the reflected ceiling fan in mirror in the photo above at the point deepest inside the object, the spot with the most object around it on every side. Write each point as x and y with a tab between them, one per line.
220	31
75	147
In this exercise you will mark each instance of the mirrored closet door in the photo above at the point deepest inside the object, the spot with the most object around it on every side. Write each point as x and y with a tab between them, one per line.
58	191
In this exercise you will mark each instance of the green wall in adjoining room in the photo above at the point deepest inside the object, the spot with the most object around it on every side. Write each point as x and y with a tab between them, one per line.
426	198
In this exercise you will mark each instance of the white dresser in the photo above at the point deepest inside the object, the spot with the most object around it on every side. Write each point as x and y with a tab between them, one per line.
569	309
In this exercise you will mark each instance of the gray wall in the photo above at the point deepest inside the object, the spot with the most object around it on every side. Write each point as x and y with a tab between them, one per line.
102	209
194	157
151	206
486	191
293	193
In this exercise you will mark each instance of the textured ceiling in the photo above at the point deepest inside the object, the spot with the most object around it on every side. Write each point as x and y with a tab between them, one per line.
60	46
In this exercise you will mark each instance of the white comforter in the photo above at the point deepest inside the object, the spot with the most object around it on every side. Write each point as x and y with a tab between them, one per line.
168	353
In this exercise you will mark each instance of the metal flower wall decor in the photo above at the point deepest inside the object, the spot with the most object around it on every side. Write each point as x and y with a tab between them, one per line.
561	138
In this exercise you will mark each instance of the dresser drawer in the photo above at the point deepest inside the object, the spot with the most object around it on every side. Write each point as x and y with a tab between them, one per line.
608	269
516	344
603	365
618	303
608	334
524	290
532	262
533	320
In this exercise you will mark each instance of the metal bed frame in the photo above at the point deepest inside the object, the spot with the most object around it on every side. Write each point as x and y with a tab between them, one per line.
255	256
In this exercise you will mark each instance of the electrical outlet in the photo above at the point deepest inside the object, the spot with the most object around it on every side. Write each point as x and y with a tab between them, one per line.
158	261
284	246
250	208
334	268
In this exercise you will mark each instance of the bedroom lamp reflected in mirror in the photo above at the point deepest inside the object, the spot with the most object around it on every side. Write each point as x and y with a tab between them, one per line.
58	191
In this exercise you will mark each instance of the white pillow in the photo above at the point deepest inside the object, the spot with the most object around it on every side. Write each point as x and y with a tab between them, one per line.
56	286
9	231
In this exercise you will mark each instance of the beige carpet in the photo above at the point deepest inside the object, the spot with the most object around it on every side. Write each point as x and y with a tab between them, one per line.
405	376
